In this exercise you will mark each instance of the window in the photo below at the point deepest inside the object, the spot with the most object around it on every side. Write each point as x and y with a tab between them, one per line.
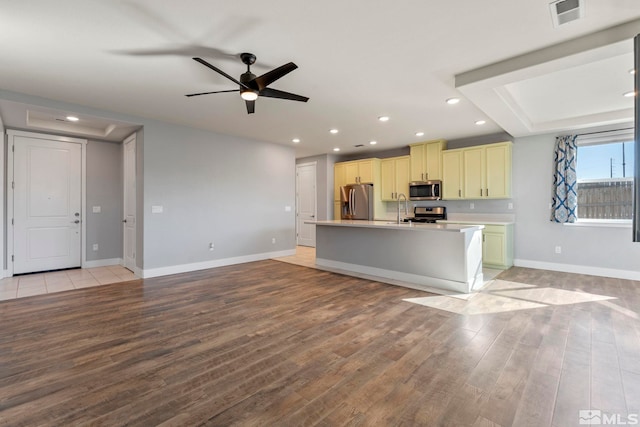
605	167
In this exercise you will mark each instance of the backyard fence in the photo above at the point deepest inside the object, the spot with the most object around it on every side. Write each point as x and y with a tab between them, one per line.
605	199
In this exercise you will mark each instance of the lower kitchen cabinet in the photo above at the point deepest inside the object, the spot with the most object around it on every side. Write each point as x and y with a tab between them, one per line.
497	245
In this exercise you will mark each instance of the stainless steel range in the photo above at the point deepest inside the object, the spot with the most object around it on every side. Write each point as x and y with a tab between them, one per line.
428	214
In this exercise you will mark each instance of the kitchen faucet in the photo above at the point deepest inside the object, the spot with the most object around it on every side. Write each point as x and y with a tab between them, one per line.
406	208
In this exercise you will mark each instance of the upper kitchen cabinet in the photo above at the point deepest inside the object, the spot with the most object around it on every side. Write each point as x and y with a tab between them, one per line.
452	174
479	172
426	160
339	179
361	171
395	177
487	171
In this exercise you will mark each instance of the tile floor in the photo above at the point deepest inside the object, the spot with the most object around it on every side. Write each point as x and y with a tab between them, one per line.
63	280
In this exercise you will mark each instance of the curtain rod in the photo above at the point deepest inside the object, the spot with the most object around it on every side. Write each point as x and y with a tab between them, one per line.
603	131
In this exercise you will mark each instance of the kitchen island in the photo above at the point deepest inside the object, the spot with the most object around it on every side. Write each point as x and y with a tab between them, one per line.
434	257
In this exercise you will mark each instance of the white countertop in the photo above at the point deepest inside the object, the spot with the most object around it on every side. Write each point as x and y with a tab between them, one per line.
393	225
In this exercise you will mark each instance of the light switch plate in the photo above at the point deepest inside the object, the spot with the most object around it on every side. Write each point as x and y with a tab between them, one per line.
97	209
157	209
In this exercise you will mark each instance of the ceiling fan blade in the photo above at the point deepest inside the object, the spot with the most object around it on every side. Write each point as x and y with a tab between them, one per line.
219	71
251	106
274	93
217	91
271	76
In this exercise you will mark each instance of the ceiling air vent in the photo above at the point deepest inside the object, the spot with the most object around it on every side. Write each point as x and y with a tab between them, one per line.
563	11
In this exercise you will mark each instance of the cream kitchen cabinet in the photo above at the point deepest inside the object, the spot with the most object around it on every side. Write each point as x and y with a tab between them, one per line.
360	171
426	160
497	243
497	246
487	171
394	177
480	172
339	180
452	174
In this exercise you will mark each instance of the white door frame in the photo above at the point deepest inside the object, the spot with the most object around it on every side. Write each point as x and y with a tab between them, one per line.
315	195
83	196
130	139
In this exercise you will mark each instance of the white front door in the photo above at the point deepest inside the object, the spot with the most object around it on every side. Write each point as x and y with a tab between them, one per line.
306	203
47	204
129	237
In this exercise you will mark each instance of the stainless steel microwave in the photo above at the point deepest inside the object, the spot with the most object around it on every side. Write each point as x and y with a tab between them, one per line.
425	190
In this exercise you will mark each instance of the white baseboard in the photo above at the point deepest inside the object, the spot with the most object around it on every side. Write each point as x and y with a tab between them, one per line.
408	280
102	263
579	269
185	268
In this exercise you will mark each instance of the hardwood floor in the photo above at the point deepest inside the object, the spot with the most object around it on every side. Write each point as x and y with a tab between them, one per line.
270	343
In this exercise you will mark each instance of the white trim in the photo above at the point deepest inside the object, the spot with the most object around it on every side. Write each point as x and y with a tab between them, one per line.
10	195
408	280
578	269
131	139
185	268
315	196
102	263
615	223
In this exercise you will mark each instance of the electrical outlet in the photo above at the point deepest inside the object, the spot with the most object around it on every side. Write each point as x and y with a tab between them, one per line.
558	249
273	240
472	205
211	246
510	206
95	246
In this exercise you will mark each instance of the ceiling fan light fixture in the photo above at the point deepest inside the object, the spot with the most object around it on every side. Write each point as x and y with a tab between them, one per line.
249	95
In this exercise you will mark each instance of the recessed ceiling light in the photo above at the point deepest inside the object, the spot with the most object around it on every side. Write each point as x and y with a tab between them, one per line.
72	118
632	71
295	140
630	94
480	122
334	131
336	149
419	133
383	118
452	101
373	142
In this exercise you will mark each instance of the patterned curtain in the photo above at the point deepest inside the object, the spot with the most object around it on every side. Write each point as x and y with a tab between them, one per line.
565	185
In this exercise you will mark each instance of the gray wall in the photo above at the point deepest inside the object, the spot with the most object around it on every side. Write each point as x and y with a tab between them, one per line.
104	189
213	188
536	236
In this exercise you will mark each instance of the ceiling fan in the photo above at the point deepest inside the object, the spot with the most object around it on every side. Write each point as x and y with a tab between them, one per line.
251	86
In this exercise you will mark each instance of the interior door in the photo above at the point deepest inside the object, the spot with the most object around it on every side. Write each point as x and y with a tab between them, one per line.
47	204
306	203
129	229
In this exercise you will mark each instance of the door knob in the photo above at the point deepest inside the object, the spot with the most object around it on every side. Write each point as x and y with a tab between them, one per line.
77	221
124	220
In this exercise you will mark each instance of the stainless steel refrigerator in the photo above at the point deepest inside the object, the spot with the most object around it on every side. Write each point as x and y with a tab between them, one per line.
356	201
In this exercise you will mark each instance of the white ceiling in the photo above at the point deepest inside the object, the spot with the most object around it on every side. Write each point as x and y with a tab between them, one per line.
357	60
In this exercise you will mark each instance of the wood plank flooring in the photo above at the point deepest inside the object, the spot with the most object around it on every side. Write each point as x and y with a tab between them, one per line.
276	344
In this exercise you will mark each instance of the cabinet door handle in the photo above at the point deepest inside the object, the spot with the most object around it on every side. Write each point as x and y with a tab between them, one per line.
481	192
487	192
459	193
